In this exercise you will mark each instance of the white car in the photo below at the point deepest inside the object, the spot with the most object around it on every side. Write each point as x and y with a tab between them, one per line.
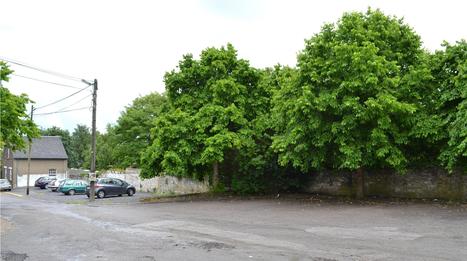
54	185
5	185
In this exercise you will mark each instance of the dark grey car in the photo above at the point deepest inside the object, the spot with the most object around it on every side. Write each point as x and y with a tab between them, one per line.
111	187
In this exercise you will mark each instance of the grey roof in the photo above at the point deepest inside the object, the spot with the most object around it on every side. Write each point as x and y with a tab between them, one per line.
45	147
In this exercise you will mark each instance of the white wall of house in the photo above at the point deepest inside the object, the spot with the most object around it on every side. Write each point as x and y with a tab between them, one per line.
22	179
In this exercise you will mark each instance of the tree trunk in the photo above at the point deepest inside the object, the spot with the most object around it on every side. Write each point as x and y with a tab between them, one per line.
215	174
358	183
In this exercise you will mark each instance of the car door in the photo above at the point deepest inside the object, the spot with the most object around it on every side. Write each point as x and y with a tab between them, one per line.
85	185
110	187
103	183
119	189
80	187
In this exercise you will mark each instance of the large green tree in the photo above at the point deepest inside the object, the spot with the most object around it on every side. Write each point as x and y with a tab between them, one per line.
132	131
207	123
14	120
105	150
450	78
122	144
350	106
80	147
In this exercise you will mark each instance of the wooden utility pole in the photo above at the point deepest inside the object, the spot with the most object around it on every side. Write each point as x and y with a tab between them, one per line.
93	144
29	157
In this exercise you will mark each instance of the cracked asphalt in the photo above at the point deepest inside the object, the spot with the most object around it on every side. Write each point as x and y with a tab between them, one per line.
50	226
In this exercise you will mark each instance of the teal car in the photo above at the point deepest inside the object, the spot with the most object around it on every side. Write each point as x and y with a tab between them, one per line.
71	187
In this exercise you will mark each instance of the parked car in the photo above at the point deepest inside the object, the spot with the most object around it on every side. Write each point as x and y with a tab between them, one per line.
43	182
111	187
54	185
73	186
5	185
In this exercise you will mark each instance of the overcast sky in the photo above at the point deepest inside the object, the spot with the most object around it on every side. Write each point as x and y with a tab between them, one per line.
129	45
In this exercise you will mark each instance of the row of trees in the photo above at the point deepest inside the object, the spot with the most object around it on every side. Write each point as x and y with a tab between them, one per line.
364	95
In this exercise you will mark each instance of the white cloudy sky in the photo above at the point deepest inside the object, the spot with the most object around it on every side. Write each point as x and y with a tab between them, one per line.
129	45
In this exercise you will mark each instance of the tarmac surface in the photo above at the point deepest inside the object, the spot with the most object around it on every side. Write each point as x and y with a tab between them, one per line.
50	226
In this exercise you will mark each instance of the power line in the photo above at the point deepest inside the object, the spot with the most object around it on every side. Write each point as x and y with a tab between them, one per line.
60	111
66	107
42	70
39	80
64	98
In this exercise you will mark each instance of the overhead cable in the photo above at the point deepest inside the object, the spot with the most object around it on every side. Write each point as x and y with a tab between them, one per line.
44	81
64	98
53	112
66	107
42	70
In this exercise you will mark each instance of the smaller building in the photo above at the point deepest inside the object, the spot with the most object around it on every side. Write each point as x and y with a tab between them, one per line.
48	158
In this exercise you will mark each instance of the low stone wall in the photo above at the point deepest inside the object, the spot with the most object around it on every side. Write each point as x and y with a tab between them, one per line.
418	184
164	185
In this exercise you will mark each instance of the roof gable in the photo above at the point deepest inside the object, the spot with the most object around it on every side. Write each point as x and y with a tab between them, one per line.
45	147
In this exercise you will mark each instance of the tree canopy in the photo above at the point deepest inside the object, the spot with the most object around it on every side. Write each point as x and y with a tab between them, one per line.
14	120
80	147
364	95
351	103
450	78
211	103
132	131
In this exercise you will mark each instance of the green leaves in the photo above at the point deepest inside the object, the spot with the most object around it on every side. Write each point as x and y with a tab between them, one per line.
80	144
345	109
14	120
212	106
450	77
364	95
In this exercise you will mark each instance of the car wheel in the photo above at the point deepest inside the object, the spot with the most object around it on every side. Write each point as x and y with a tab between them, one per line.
71	192
101	194
130	192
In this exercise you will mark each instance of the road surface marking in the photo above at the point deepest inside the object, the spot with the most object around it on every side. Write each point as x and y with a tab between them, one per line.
14	194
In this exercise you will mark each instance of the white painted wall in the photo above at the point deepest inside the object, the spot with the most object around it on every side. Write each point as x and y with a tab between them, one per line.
22	179
160	185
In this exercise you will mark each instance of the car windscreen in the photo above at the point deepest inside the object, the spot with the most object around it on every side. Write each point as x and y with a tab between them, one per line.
103	181
69	182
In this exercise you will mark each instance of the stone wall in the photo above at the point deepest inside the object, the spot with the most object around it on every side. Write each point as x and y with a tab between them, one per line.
418	184
163	185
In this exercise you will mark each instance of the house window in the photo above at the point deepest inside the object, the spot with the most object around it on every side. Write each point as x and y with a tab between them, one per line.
52	172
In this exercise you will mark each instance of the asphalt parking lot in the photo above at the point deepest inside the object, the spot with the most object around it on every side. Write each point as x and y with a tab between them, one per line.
49	226
48	196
